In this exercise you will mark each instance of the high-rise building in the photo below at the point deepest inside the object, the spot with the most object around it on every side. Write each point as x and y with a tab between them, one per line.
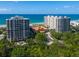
59	23
17	28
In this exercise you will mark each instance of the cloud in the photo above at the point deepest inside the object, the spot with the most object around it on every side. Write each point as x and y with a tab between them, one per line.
15	1
56	8
3	9
68	6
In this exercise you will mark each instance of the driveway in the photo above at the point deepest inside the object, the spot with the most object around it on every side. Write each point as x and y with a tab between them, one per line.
49	38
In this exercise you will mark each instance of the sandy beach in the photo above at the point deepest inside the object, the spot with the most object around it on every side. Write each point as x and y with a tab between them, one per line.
2	26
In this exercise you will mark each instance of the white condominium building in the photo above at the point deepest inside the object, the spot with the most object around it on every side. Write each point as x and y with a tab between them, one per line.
59	23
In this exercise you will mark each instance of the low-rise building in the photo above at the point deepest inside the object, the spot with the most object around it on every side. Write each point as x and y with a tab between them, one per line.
39	28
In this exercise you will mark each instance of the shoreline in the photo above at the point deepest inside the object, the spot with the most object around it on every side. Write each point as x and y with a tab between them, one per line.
4	25
74	21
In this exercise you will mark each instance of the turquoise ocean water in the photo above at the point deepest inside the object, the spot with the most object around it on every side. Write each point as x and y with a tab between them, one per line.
35	18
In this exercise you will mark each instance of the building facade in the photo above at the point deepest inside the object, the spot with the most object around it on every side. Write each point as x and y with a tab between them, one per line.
59	23
17	28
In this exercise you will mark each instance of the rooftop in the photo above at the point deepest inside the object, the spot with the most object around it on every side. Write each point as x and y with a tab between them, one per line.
58	16
18	18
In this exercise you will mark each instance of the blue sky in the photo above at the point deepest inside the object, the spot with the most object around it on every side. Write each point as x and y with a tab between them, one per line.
39	7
